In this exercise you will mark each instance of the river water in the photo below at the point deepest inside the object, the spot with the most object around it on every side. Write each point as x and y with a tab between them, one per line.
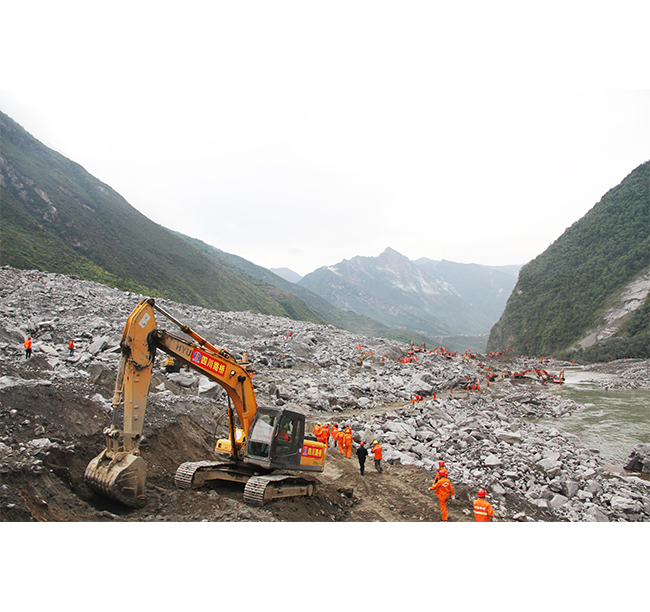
613	421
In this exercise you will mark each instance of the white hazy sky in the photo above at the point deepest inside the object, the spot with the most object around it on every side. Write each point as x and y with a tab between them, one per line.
302	133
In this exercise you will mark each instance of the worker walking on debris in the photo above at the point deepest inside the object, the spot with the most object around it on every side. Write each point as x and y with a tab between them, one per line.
335	433
362	453
483	511
326	435
442	471
376	451
444	491
317	431
339	439
71	347
28	347
347	441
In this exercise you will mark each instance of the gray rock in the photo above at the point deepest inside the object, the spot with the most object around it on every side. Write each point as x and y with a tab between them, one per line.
548	465
98	345
594	487
594	515
511	437
624	504
497	489
492	460
570	488
557	501
639	459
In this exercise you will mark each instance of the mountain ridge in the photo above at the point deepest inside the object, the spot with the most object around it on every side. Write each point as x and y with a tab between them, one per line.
396	291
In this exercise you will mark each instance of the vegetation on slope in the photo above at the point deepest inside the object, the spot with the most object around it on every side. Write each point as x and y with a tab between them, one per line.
58	218
563	293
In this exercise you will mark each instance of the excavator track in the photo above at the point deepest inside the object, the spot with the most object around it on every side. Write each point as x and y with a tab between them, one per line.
262	489
184	477
194	474
258	490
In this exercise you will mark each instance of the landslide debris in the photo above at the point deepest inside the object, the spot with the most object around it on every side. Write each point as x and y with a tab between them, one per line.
53	408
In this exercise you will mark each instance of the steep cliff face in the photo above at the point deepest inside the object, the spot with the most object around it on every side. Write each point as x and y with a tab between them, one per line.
589	286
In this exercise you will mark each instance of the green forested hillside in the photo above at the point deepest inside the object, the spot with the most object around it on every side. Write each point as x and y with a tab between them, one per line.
562	294
58	218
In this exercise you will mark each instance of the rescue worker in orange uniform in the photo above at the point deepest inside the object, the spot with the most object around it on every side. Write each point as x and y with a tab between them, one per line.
335	433
326	435
483	511
376	451
317	431
444	491
347	442
340	433
442	471
28	347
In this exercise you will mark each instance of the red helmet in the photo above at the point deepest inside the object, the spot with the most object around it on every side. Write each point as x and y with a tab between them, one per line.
481	493
441	463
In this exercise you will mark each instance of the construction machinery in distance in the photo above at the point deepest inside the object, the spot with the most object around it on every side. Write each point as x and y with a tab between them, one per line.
262	444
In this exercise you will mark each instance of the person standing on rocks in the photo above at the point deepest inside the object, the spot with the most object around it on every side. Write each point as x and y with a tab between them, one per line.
444	491
362	453
376	451
71	347
483	511
28	347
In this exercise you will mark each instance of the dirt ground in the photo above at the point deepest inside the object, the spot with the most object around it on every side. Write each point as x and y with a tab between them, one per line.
46	484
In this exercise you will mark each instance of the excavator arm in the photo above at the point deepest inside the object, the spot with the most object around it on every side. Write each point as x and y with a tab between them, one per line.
118	470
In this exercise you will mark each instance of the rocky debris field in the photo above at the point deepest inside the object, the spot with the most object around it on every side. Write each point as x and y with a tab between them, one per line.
53	408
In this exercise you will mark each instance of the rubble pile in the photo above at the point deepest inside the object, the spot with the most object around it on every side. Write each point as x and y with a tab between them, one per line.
429	409
630	373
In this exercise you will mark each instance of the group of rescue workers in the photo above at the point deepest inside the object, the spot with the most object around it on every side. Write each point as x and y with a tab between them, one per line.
342	438
28	347
483	511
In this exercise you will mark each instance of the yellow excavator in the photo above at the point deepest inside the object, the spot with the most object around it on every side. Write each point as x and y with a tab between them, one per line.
261	440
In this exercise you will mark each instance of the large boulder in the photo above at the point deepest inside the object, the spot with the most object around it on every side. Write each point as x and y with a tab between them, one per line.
639	459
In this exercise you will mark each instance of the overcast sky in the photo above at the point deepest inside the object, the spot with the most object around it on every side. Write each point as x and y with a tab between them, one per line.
298	134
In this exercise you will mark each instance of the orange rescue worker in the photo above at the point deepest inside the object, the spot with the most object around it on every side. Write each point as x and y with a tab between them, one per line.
340	433
335	433
326	435
483	511
442	471
376	451
28	347
316	431
71	346
443	490
347	441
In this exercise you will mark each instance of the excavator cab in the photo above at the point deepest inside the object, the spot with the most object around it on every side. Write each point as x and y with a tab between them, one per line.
277	441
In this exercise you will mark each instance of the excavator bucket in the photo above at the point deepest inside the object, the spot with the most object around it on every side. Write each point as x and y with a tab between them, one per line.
123	480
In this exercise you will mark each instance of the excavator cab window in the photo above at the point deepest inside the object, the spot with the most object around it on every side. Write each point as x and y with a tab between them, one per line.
261	436
289	440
